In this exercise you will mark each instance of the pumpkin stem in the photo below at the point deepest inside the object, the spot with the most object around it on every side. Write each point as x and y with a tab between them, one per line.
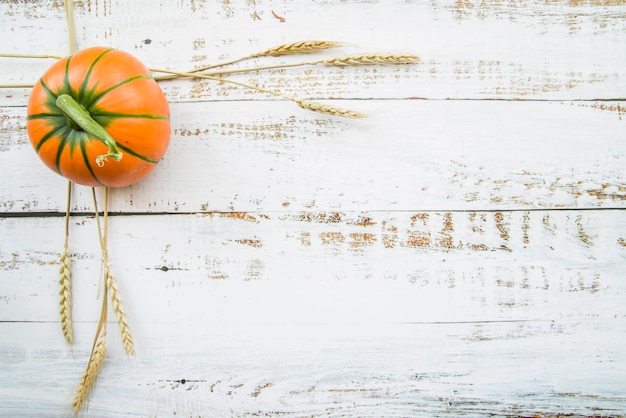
79	116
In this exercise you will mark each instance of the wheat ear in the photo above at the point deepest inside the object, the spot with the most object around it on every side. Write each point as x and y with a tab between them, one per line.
65	295
118	308
65	277
96	358
91	372
372	60
294	48
330	110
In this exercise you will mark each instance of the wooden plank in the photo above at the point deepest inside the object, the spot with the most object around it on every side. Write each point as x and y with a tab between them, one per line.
424	155
326	314
559	50
536	368
370	267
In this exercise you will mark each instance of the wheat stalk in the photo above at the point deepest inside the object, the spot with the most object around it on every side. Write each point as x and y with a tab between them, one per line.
17	86
303	47
339	62
118	308
98	349
294	48
5	55
330	110
109	279
96	358
305	104
91	372
372	60
71	27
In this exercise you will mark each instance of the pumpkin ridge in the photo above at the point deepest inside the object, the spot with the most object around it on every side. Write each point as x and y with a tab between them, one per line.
104	118
46	116
64	141
136	154
51	98
66	79
82	90
98	97
83	150
60	131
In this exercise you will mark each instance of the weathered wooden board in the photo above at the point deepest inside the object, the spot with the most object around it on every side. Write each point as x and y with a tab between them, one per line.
409	155
329	267
379	314
469	49
461	252
535	368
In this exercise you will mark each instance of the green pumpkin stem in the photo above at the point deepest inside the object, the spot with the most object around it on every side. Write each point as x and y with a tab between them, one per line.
80	118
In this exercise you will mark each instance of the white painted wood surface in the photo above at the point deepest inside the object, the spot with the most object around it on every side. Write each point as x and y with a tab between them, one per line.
461	252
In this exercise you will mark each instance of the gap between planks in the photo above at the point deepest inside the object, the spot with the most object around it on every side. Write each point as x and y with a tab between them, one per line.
257	212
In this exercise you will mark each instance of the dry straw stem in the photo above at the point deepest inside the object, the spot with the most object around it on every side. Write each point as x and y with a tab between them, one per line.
96	358
71	27
109	280
3	55
356	60
98	349
305	104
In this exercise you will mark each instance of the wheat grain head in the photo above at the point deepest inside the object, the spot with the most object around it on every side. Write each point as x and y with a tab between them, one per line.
301	47
65	295
91	372
372	60
118	308
330	110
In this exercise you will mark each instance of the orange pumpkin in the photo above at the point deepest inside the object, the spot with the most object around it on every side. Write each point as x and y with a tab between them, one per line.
98	118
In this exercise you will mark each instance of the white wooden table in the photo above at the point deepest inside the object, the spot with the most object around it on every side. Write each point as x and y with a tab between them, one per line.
460	252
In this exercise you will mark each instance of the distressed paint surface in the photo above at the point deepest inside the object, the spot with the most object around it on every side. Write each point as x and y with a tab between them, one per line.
506	50
373	266
461	252
239	158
